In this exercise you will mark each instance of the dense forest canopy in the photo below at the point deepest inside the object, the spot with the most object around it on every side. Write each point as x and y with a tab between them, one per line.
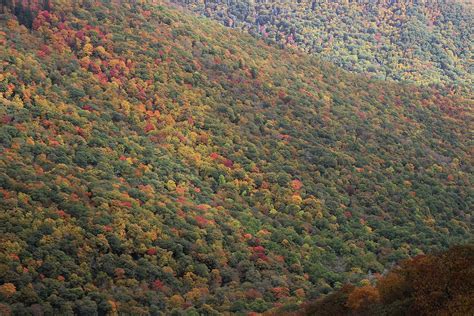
438	284
424	42
153	162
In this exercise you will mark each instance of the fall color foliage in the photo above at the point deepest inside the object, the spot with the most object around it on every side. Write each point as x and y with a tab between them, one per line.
438	284
423	42
155	162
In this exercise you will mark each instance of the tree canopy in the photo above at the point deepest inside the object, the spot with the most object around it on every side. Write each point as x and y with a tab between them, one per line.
437	284
423	42
154	162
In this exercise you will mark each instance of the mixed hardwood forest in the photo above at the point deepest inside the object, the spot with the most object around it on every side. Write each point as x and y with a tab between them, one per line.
422	41
154	162
440	284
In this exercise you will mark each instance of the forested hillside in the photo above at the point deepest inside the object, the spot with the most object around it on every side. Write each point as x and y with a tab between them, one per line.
424	42
153	162
436	284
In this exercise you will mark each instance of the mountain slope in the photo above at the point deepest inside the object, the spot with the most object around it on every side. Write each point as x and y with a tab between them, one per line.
153	161
436	284
419	41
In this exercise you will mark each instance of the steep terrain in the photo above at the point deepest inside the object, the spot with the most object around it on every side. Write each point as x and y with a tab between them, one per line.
437	284
154	162
424	42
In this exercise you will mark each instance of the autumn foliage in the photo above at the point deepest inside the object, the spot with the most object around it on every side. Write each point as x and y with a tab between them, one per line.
441	284
154	162
399	40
